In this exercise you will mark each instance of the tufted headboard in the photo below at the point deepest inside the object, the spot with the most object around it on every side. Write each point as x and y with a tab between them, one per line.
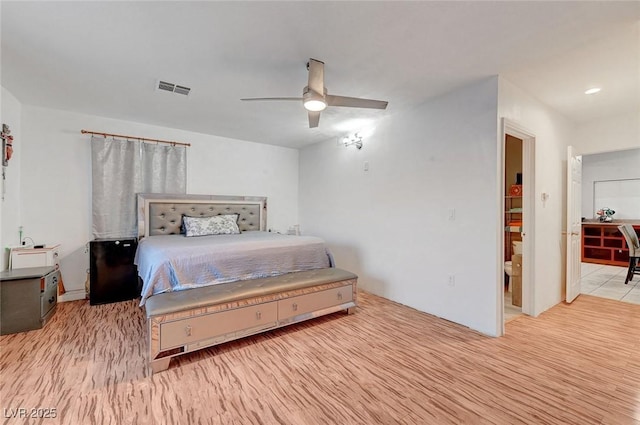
161	213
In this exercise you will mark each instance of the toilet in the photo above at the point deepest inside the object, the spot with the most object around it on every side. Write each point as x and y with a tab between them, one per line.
516	249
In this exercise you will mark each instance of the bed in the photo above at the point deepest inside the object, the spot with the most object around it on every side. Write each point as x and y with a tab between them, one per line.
203	290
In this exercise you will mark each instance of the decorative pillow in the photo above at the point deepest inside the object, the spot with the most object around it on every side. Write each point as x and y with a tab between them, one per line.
183	229
216	225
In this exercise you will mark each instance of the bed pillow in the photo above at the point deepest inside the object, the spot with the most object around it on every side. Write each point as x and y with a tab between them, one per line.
183	229
216	225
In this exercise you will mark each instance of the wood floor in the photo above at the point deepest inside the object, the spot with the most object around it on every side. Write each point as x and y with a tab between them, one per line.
386	364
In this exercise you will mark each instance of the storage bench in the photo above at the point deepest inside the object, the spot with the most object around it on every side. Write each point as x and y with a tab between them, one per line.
184	321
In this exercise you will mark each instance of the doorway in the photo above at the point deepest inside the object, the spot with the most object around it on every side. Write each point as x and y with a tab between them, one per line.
609	179
513	221
525	224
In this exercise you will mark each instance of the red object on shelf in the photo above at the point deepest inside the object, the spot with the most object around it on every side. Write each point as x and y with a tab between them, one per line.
515	190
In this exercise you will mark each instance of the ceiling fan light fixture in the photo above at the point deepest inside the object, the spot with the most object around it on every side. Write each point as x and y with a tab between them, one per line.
314	105
313	101
315	98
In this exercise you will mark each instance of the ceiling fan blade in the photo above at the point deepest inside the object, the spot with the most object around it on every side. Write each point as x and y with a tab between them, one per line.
314	119
316	76
299	99
355	102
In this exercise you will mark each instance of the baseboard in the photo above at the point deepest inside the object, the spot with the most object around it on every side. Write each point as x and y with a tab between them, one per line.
77	294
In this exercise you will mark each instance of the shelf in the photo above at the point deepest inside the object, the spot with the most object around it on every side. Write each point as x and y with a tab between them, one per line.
591	241
591	231
513	215
614	243
597	253
622	257
611	232
604	244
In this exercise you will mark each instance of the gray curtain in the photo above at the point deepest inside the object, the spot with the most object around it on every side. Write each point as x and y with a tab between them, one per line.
123	168
164	169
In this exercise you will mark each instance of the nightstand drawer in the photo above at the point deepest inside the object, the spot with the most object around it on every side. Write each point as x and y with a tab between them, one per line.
48	299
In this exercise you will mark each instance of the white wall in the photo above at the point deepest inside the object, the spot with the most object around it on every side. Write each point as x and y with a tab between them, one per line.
617	165
553	132
613	133
56	177
390	224
10	211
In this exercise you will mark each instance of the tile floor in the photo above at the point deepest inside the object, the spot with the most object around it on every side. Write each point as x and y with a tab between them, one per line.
510	311
608	282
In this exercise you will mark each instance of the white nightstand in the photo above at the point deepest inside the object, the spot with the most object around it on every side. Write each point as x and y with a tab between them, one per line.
35	257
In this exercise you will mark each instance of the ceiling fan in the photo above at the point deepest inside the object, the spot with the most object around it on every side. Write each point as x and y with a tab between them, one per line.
315	98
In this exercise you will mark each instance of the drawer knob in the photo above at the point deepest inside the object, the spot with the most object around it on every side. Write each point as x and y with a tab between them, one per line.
51	300
258	315
187	329
294	306
339	295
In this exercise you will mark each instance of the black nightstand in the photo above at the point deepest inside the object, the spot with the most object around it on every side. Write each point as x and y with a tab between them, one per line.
112	275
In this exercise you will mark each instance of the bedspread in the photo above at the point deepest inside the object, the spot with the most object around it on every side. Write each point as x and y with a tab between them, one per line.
175	262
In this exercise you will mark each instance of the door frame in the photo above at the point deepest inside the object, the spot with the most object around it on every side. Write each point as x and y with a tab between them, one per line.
513	128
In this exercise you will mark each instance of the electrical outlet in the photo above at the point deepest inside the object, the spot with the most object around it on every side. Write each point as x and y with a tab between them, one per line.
452	280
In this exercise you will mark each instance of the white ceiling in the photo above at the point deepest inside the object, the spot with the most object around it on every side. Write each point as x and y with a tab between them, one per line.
104	58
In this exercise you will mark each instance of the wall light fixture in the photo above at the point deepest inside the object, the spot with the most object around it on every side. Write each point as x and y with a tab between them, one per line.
353	140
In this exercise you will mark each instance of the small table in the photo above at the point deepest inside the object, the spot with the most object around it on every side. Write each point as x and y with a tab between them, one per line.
48	255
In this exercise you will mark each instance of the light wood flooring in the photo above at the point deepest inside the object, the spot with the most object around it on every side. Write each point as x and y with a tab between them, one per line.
386	364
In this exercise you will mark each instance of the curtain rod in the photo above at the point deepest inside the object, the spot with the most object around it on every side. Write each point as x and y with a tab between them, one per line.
135	138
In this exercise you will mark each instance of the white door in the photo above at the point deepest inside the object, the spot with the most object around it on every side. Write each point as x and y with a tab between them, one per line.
574	223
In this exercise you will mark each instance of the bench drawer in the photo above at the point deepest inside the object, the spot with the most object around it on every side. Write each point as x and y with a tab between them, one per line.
302	304
187	331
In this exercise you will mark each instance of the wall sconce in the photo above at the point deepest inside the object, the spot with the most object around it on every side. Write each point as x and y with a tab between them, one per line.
353	140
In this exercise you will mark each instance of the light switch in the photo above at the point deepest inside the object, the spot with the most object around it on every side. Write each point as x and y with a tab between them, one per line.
366	166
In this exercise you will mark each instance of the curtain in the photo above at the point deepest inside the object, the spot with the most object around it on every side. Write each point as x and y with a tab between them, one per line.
123	168
164	169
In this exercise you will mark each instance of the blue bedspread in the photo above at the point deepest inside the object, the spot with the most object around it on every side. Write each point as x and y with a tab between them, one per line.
175	262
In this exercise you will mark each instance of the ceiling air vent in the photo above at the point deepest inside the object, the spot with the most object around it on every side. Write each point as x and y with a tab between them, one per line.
182	90
174	88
